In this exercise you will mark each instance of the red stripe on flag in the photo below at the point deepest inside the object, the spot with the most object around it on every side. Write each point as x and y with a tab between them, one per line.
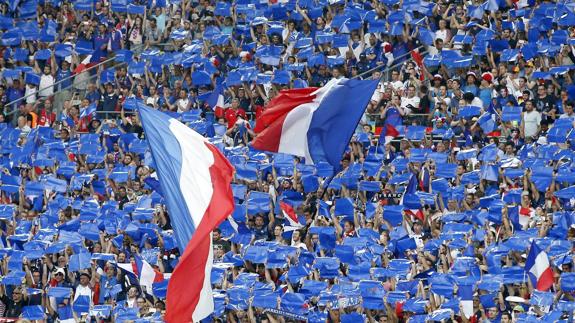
159	276
417	58
135	269
289	211
269	124
545	281
188	277
391	131
418	214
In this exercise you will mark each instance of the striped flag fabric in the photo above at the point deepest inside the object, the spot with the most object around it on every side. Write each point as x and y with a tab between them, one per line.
145	273
196	181
290	215
538	268
314	123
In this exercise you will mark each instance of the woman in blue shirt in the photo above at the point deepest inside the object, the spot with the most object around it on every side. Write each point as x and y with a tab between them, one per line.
471	84
107	283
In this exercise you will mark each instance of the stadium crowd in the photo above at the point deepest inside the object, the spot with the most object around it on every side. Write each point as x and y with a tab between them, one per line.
461	164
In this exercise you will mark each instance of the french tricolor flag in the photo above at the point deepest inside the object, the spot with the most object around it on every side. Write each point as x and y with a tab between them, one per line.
315	123
290	215
538	268
195	179
145	273
390	133
215	99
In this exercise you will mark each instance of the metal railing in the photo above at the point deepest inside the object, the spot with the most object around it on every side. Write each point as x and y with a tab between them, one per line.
55	84
397	62
68	78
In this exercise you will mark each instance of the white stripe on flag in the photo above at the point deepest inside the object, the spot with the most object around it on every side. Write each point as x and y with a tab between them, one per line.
467	308
205	305
541	264
147	276
127	267
195	172
196	163
296	125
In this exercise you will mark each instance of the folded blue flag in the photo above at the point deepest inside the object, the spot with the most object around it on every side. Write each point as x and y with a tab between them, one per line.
258	202
345	254
59	292
510	113
80	261
328	267
294	303
446	170
136	10
84	47
296	273
370	186
7	211
310	183
239	191
344	206
222	9
201	78
489	172
393	214
415	133
405	244
466	154
487	122
256	254
137	68
62	50
160	289
33	312
498	45
540	298
458	62
565	193
281	77
568	282
469	111
313	287
509	55
14	278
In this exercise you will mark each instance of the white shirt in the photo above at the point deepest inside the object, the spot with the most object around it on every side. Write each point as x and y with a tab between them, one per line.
182	105
300	245
397	85
532	120
414	101
84	291
441	34
447	100
46	85
30	94
477	102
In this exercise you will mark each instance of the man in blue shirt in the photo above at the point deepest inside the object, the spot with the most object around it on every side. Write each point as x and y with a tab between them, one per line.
15	92
64	80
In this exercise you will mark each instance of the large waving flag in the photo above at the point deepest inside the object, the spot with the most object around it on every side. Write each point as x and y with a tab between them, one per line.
195	179
145	273
315	123
538	267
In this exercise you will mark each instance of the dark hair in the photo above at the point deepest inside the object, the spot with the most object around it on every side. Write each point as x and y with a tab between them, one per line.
468	96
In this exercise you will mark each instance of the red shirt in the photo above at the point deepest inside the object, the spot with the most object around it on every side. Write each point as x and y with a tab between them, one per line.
46	119
231	116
